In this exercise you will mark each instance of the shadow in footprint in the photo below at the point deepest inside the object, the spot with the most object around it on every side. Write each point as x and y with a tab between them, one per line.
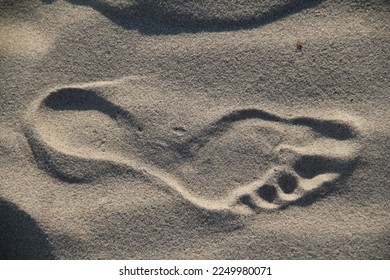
20	236
309	166
177	16
85	100
332	129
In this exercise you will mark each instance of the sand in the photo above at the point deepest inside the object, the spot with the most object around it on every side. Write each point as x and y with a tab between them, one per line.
194	129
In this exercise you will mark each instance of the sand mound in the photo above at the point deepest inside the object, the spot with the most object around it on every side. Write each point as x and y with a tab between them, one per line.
196	13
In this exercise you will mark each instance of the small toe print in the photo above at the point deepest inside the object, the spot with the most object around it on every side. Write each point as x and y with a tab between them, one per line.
248	201
288	183
267	192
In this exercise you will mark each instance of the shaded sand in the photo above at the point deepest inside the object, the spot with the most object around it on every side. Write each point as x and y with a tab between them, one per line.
180	129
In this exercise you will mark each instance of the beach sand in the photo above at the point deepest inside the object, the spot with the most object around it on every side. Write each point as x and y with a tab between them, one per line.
194	129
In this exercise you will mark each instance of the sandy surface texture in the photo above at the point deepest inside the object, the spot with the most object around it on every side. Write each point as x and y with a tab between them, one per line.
226	129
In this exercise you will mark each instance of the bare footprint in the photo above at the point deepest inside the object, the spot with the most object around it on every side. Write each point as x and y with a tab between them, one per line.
79	134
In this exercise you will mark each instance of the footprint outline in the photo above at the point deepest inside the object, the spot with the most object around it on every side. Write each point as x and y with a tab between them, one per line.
243	200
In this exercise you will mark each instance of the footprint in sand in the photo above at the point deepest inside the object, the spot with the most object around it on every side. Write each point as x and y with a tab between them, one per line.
257	161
